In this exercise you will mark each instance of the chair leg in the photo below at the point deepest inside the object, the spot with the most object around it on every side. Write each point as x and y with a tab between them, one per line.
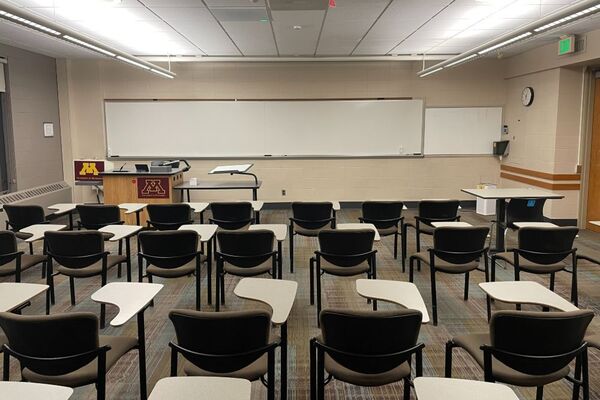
539	393
448	366
577	376
120	253
404	246
493	269
418	240
6	366
433	297
313	366
411	271
291	234
320	375
574	291
396	246
318	277
406	388
222	288
585	376
218	285
552	277
30	247
271	375
72	289
312	281
466	296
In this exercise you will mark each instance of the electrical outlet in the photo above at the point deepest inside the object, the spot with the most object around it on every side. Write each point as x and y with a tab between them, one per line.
283	192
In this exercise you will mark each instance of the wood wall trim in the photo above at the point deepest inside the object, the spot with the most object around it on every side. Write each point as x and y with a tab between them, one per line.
539	174
542	184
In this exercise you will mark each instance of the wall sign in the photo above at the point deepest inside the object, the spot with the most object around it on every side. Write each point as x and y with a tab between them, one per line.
88	170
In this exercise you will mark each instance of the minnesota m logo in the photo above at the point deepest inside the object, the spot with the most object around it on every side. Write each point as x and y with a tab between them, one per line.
153	187
89	168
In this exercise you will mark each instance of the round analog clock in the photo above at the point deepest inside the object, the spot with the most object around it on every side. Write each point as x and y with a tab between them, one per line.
527	96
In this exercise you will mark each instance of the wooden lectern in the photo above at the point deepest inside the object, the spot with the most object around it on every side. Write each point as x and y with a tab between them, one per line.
141	187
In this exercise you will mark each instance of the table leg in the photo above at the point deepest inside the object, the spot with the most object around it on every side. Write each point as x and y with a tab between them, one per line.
279	260
284	363
128	253
500	215
137	217
209	270
188	195
201	217
142	354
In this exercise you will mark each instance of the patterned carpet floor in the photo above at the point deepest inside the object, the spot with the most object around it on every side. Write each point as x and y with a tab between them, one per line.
456	316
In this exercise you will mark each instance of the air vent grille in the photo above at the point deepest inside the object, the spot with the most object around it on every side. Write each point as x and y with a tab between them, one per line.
32	193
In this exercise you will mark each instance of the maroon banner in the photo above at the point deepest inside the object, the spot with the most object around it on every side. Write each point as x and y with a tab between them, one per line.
88	170
153	188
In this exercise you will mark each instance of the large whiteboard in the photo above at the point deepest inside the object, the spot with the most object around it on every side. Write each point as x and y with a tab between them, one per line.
180	129
462	130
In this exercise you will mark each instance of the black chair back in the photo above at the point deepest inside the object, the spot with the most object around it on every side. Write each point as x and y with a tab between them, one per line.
222	342
438	210
246	248
75	249
524	210
8	246
22	216
538	343
52	344
382	214
231	215
346	248
546	245
312	215
370	342
459	245
168	249
96	216
169	216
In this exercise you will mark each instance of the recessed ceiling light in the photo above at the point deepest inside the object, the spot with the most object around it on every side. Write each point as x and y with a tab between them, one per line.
297	27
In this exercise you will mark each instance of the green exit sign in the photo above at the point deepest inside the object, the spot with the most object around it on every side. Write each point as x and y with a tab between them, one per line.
566	45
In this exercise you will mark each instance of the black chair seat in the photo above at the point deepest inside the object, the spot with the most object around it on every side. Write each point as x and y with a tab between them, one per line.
251	372
23	235
593	341
119	345
423	228
250	271
529	266
445	266
27	261
92	270
387	231
356	378
172	272
502	373
309	232
344	271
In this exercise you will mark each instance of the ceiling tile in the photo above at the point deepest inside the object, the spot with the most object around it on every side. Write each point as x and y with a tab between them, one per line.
293	42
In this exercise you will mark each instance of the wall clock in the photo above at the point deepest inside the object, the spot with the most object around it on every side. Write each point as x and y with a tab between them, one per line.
527	96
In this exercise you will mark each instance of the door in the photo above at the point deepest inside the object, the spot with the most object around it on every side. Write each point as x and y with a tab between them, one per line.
593	200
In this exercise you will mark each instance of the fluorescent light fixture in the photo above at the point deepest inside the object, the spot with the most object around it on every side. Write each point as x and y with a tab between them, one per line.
161	73
137	64
568	18
89	46
29	23
505	43
433	71
461	60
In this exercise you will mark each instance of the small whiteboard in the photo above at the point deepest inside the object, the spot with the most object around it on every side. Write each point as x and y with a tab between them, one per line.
462	130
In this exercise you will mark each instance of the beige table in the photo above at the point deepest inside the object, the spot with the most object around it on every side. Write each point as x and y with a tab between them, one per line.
524	292
501	195
198	208
201	387
280	296
38	230
119	233
131	208
451	224
131	299
15	295
280	231
405	294
65	208
535	225
206	234
358	225
428	388
33	391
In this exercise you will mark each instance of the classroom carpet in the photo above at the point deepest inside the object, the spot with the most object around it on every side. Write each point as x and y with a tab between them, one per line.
456	316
